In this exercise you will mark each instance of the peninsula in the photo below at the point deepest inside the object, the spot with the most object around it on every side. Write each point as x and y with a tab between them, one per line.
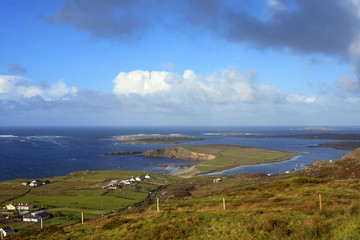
219	157
147	139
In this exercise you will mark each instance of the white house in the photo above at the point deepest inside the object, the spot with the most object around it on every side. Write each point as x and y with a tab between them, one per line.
113	182
147	176
25	183
6	231
216	180
36	183
18	206
36	216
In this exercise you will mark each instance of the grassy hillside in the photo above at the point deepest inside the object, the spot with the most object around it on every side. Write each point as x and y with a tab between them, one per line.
241	206
283	208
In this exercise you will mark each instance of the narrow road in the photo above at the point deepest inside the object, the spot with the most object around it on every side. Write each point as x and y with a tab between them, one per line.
17	196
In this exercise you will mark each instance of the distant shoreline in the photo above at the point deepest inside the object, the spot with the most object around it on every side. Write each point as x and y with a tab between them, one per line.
188	171
218	157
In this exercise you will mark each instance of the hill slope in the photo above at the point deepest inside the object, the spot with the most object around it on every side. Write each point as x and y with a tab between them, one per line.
257	206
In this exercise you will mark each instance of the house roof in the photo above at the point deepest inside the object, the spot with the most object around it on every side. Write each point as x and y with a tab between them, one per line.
7	229
21	204
38	214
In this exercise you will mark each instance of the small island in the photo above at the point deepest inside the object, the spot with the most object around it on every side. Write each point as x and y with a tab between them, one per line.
323	128
219	157
148	139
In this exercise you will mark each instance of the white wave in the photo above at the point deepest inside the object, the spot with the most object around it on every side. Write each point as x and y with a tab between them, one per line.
8	136
45	137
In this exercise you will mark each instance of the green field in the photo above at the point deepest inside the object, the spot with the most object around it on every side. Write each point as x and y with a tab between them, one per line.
68	196
229	156
257	207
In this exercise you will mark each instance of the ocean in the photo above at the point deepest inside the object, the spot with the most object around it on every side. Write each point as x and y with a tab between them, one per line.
41	152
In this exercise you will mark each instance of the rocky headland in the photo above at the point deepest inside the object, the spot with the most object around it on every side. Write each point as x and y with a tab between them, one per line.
178	153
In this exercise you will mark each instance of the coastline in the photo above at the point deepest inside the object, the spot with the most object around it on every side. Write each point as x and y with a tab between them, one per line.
188	171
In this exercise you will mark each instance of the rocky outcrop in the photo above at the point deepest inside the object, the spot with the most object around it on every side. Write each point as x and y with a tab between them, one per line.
346	167
178	153
352	155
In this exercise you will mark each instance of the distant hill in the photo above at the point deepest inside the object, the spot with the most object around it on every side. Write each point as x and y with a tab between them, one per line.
320	128
348	167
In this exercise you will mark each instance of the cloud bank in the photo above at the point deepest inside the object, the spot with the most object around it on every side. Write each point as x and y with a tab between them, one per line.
329	27
304	26
225	97
227	86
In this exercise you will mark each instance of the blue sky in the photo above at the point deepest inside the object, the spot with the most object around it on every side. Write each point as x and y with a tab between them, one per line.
199	62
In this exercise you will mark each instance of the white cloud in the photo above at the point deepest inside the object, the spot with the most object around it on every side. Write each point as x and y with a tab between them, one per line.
347	83
296	98
227	96
142	82
222	87
59	90
275	4
17	87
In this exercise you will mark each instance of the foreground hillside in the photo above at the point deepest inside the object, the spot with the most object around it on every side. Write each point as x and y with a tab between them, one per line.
255	206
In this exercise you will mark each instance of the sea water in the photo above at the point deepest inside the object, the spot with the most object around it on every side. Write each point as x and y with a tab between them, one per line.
40	152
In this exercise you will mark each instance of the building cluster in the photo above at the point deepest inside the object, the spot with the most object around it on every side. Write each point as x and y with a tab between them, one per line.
23	208
114	184
35	183
36	216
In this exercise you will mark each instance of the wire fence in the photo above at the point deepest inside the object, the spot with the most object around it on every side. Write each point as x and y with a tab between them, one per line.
317	201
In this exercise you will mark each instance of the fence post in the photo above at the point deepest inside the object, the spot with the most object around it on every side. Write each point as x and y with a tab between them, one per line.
2	235
320	203
41	220
82	217
224	206
157	205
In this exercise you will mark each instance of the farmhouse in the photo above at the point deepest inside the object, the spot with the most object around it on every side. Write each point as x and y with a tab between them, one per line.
25	183
36	216
112	185
147	176
216	180
6	231
36	183
18	206
125	182
139	178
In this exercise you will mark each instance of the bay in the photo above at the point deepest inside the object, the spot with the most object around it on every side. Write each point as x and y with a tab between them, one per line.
40	152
